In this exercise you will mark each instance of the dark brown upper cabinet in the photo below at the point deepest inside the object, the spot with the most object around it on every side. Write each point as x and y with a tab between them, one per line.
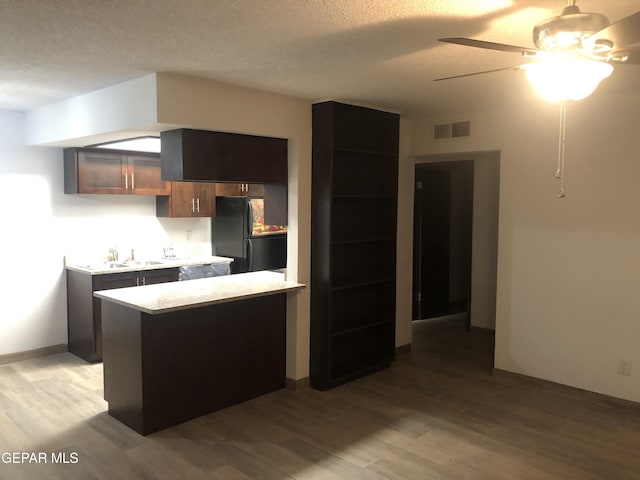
102	171
239	190
205	156
188	199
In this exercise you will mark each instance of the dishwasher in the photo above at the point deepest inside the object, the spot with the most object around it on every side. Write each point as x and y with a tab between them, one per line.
191	272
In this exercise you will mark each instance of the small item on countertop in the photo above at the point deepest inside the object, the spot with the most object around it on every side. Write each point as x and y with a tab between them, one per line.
169	252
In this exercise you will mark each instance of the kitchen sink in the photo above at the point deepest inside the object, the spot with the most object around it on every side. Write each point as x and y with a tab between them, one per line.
131	264
144	262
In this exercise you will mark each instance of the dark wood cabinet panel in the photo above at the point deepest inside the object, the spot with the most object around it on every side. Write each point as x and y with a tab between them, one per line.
188	199
102	171
163	275
146	175
164	369
239	190
364	130
353	253
84	311
200	155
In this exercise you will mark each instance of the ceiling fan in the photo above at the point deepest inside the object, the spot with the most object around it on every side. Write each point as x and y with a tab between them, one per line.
574	43
573	53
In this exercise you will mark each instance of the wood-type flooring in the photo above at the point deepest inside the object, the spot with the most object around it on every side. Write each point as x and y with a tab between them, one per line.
437	413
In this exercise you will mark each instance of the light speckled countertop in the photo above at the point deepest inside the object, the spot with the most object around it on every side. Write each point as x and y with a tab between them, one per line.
101	268
173	296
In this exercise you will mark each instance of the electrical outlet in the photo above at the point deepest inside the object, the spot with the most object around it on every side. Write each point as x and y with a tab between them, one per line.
624	367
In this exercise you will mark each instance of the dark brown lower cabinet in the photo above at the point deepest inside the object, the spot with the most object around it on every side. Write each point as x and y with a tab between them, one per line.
166	368
84	314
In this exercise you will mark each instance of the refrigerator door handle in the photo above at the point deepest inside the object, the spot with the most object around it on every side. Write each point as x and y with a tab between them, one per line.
249	255
249	218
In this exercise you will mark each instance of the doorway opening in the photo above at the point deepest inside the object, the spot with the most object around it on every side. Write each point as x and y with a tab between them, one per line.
455	257
443	231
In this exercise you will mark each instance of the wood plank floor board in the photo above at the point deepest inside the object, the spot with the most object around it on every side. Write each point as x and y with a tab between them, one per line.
153	460
326	460
437	413
329	435
227	472
249	465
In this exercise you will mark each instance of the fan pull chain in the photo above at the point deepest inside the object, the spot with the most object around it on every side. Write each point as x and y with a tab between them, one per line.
561	143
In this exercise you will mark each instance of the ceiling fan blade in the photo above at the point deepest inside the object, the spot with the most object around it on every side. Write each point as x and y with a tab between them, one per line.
503	47
516	67
623	32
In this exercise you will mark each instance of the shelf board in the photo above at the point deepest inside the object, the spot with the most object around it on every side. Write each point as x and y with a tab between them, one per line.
363	284
364	240
372	196
361	328
366	152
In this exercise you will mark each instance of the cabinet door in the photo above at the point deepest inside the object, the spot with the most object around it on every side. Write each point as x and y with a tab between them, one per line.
145	177
112	172
205	194
188	199
115	280
105	282
166	275
239	189
181	203
134	279
99	172
199	155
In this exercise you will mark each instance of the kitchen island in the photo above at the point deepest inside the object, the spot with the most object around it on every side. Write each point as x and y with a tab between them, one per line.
175	351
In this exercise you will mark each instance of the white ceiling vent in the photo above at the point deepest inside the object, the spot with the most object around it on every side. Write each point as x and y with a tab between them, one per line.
452	130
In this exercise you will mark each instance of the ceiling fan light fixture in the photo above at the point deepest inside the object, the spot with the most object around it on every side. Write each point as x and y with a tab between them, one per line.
568	30
559	78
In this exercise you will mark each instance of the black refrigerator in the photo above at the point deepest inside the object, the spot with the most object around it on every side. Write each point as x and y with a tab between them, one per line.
238	231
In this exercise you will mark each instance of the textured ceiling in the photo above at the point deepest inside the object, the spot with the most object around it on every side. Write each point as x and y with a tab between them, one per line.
382	52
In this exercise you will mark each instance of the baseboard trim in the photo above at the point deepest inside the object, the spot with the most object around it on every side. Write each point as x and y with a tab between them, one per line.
402	349
573	392
38	352
296	385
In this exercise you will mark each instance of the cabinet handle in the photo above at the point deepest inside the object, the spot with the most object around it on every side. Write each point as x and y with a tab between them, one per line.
198	204
144	280
193	205
126	181
137	281
133	182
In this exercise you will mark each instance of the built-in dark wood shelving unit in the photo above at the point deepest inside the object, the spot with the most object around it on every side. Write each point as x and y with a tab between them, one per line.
353	252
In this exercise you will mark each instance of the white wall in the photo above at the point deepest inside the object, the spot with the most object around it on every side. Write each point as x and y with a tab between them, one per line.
404	255
96	116
40	225
568	269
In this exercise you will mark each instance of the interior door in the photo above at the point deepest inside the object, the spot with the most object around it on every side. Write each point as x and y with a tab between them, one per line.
431	243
